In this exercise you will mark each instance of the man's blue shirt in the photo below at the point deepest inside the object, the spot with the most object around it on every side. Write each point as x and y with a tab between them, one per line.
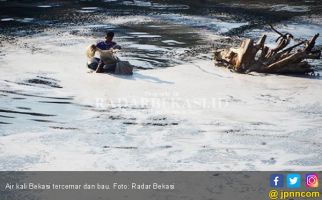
105	45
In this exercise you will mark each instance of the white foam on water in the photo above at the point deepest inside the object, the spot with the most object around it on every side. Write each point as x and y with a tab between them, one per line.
138	33
120	20
227	134
194	116
26	20
211	23
147	47
289	8
170	7
172	42
45	6
148	36
137	3
90	8
303	32
7	19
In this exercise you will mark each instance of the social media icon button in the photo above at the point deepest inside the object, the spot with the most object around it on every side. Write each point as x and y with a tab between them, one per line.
277	180
312	180
293	180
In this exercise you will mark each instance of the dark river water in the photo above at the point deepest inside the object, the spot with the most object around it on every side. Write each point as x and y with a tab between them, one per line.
170	32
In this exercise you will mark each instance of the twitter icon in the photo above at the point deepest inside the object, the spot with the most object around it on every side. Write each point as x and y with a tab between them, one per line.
293	180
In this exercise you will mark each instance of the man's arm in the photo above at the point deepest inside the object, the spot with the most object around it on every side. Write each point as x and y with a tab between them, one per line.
93	47
100	65
116	46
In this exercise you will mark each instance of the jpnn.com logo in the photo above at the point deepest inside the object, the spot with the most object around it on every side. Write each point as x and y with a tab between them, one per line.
294	180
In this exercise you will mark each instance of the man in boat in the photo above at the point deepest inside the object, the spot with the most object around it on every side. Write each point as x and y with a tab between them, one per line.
97	64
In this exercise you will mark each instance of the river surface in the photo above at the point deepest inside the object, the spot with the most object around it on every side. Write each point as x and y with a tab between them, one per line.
48	121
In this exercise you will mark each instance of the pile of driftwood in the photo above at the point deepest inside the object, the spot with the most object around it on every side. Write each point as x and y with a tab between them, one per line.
256	57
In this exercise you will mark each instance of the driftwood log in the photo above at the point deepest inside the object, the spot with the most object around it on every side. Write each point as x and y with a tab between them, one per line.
256	57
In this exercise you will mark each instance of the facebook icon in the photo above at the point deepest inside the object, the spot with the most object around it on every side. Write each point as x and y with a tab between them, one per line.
277	180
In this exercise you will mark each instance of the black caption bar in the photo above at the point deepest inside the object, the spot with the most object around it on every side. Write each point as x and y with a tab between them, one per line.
158	185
